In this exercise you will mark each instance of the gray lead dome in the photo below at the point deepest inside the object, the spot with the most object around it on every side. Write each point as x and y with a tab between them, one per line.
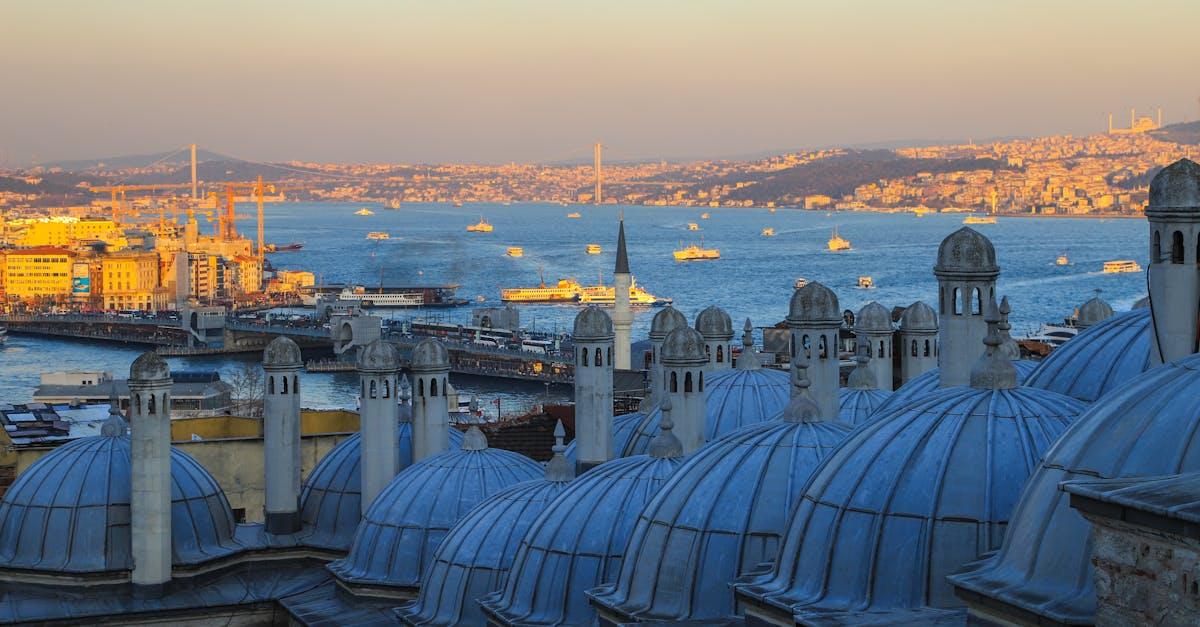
714	323
282	351
1176	186
814	303
379	356
666	320
149	366
919	317
684	346
430	354
873	318
592	324
966	251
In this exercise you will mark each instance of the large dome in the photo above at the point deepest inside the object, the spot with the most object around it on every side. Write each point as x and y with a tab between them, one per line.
966	251
907	499
69	511
1151	426
1101	358
577	543
929	382
331	498
407	521
719	516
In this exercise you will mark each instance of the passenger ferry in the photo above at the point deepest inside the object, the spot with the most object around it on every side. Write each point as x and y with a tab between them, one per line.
386	296
1121	266
364	212
515	251
692	226
768	232
866	283
837	242
378	235
567	291
593	249
697	253
979	220
1062	261
480	227
605	295
574	215
704	216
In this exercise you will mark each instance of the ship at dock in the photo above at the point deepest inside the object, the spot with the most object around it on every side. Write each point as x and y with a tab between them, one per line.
385	296
570	291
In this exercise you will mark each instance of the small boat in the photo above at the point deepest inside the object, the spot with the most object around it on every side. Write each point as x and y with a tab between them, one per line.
515	251
768	232
283	248
697	253
378	235
800	282
394	203
704	216
1062	261
837	242
1121	266
593	249
458	203
979	220
364	212
692	226
574	215
480	227
866	283
772	209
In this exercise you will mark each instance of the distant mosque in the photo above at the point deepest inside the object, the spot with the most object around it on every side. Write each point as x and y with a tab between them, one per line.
985	489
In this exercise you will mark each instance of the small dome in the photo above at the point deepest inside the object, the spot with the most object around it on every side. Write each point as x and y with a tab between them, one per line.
1099	359
1176	186
149	366
282	351
873	318
683	346
69	512
856	406
1149	426
908	498
666	320
380	356
395	541
592	325
473	558
966	251
430	354
331	498
929	382
577	543
1093	312
814	303
919	317
721	515
714	324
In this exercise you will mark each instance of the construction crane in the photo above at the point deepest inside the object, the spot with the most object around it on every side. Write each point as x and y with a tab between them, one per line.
226	227
122	189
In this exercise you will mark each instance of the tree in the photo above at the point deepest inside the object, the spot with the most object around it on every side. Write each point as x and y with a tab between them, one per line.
247	383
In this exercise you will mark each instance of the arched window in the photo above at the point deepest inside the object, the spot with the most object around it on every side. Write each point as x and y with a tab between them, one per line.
363	393
866	345
271	385
1156	247
137	402
284	379
610	355
687	382
882	350
374	389
701	386
599	357
720	354
445	388
914	347
926	348
807	345
976	302
674	383
433	387
583	355
387	388
295	384
942	300
151	409
421	387
822	349
957	302
707	352
1177	247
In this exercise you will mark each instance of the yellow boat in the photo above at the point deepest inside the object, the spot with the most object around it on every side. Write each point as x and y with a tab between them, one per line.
378	235
567	291
696	253
704	216
480	227
866	283
1121	266
593	249
606	294
1062	261
364	212
979	220
837	242
768	232
515	251
692	226
573	215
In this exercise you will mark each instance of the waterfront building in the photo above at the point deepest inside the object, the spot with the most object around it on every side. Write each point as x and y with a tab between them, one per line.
41	273
129	281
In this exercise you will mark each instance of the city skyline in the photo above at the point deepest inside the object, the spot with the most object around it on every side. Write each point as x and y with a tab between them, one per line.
538	82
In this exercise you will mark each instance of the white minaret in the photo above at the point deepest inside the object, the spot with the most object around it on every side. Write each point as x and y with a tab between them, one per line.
684	363
716	327
593	337
622	313
873	331
815	319
281	436
150	472
431	410
966	271
666	320
379	417
1173	275
918	341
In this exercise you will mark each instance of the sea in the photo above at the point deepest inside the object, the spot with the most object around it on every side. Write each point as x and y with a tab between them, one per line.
753	279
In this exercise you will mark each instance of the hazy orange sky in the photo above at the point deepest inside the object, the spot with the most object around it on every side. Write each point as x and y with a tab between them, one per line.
540	81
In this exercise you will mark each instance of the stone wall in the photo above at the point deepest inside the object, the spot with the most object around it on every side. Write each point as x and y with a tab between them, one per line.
1144	576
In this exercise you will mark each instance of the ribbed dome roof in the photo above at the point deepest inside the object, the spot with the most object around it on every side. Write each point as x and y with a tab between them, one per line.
149	366
1094	311
282	351
684	346
577	543
592	324
814	303
1099	359
873	318
430	354
855	406
907	499
919	317
966	251
718	517
625	429
732	400
475	556
331	498
929	382
1150	426
714	324
1176	186
380	356
394	542
666	320
69	511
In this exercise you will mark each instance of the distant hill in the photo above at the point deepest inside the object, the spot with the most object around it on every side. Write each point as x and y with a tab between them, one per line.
131	161
1181	133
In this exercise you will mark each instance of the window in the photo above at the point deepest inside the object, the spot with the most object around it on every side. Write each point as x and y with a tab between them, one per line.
387	388
1177	247
926	348
433	387
421	387
674	383
137	402
374	389
445	388
914	347
610	355
284	384
882	350
270	385
720	354
957	302
599	357
976	302
151	409
822	349
295	384
687	382
701	388
1156	248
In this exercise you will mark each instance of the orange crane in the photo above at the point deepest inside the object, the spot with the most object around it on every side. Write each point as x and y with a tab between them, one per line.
226	228
121	189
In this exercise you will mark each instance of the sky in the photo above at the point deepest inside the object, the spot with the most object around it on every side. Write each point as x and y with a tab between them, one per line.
541	81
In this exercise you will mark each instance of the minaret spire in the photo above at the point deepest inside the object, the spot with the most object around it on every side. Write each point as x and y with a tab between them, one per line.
622	313
622	255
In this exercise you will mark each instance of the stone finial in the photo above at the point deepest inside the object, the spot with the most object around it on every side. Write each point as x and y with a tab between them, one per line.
801	407
861	378
558	469
474	440
405	390
748	360
665	444
992	370
115	425
1009	348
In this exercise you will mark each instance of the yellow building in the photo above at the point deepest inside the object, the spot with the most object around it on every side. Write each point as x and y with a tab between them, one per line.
69	232
292	280
41	272
129	280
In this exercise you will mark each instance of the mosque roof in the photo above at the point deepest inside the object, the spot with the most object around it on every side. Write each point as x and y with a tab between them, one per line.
1099	359
684	346
282	351
149	366
966	251
592	324
930	381
1176	186
919	317
430	354
814	303
381	356
856	405
714	323
666	320
873	318
1095	310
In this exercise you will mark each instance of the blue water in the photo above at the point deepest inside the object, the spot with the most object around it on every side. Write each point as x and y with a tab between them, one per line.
753	278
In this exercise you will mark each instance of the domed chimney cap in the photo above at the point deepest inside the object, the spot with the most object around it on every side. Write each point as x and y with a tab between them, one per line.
966	251
430	354
684	347
814	303
1176	187
379	356
919	317
592	325
1093	311
666	320
714	324
281	352
873	318
149	367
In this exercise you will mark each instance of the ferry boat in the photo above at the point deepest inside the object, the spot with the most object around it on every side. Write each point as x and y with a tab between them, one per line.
768	232
567	291
515	251
979	220
282	248
385	296
1062	261
378	235
704	216
480	227
697	253
1121	266
1050	336
593	249
866	283
921	211
837	242
692	226
364	212
605	295
574	215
